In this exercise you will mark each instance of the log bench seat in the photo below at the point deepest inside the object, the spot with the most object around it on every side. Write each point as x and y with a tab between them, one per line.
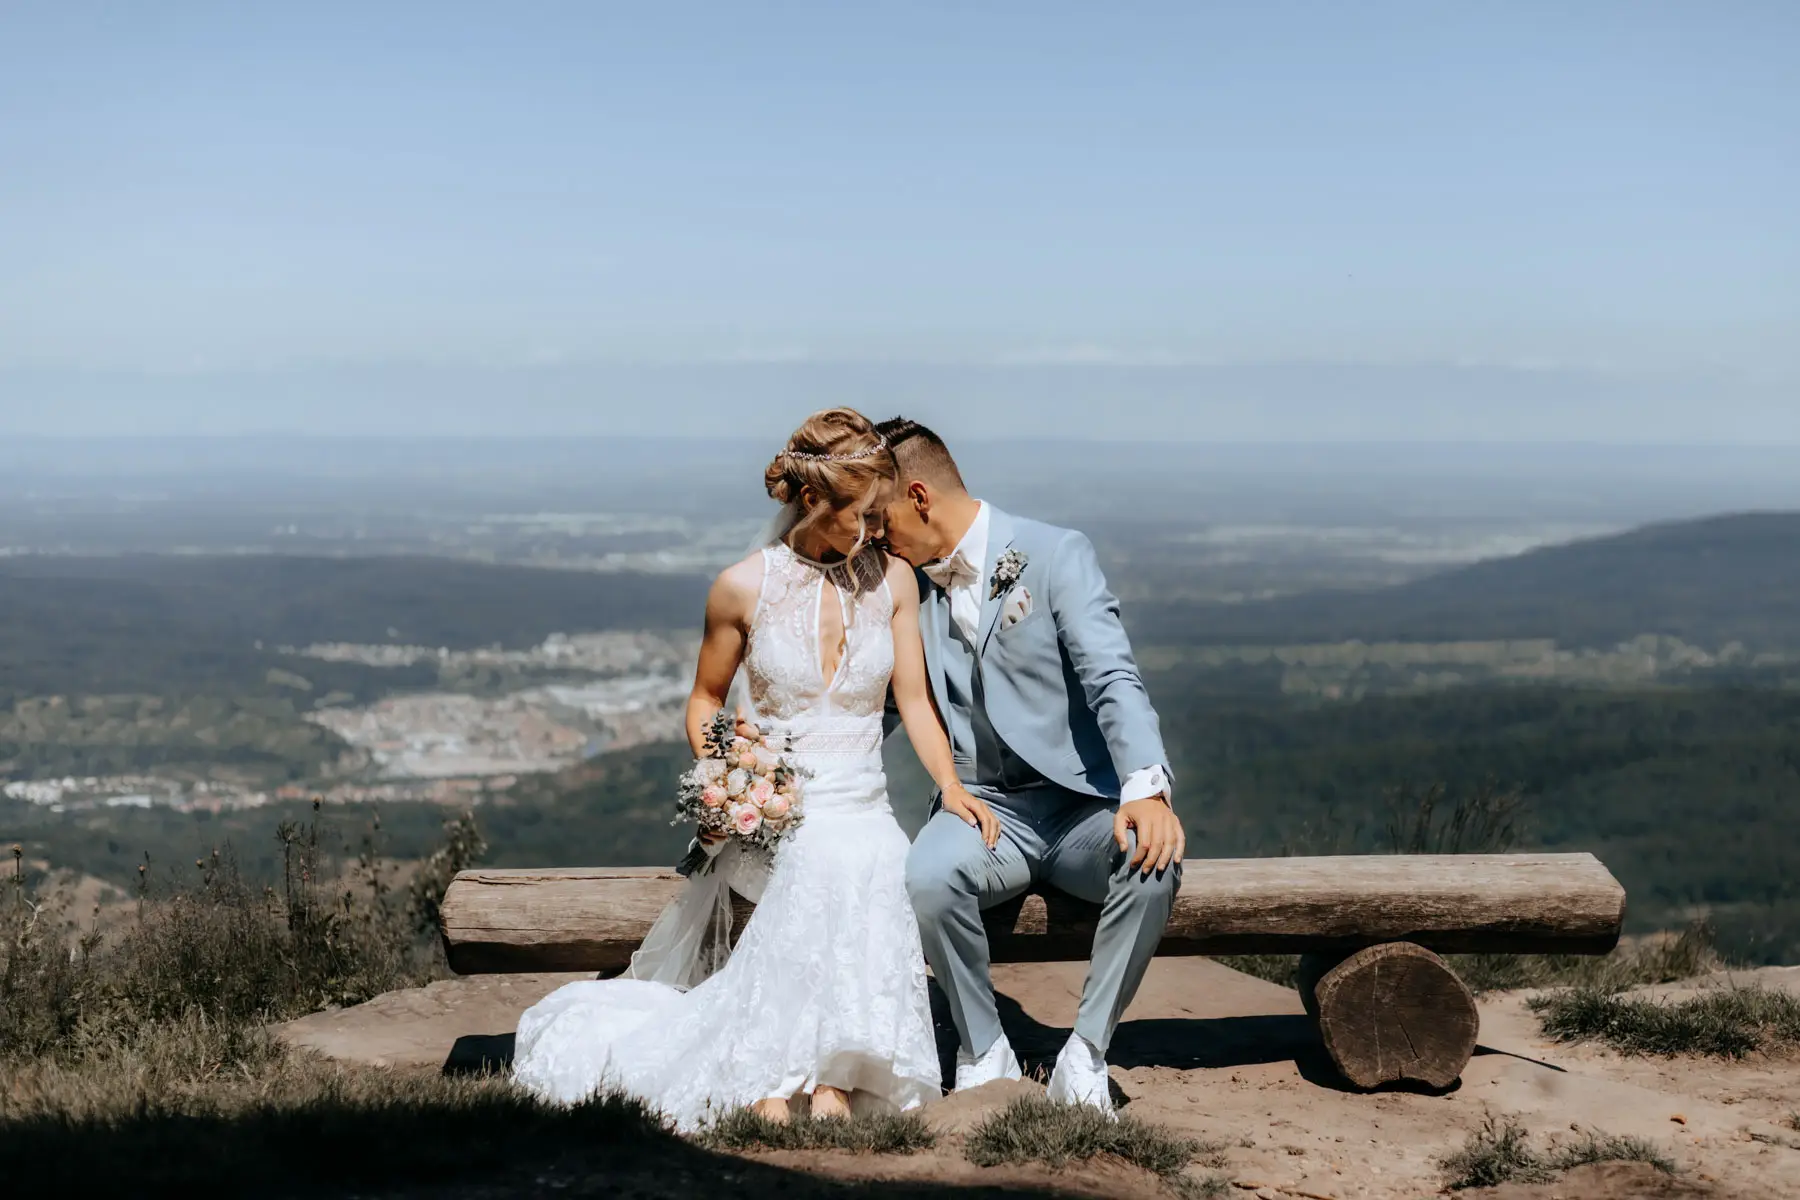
1369	928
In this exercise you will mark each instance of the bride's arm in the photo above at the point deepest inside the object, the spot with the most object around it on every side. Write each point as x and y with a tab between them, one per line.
728	612
912	697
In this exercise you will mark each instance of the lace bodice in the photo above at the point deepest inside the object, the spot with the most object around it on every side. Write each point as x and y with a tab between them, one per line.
784	661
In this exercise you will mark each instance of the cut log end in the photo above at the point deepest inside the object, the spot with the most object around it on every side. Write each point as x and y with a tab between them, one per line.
1393	1013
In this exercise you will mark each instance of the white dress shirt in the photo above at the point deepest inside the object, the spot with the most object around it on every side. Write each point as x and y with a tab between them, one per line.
960	573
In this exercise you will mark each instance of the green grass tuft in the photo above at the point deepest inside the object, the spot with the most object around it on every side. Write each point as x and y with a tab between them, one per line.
1501	1152
1495	1154
1034	1130
904	1133
1596	1147
1725	1023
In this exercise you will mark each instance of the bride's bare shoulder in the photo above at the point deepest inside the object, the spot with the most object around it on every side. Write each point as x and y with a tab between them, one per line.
903	583
736	588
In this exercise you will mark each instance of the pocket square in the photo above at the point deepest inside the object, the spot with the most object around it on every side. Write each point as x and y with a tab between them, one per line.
1016	608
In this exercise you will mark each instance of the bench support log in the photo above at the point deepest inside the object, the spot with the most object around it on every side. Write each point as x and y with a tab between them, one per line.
1391	1013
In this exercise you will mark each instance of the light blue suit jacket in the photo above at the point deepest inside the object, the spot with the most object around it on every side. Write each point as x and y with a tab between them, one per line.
1061	687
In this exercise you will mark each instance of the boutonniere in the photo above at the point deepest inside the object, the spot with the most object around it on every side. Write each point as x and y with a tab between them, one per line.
1007	571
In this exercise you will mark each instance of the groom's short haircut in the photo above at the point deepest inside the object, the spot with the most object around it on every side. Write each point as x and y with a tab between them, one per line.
921	454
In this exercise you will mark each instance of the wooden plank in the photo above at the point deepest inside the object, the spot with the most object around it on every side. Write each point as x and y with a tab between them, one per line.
591	918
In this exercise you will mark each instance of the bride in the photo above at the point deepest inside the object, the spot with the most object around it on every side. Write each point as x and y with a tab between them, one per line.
824	994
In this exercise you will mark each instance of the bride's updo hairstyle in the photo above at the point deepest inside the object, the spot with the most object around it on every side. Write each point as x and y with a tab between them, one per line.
839	455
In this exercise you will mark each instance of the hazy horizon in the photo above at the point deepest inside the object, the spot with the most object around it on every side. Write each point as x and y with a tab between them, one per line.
1222	404
1168	222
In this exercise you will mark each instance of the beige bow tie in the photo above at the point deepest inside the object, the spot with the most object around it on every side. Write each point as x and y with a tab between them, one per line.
953	572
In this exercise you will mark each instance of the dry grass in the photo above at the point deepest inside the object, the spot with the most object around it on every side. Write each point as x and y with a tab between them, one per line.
1501	1152
1034	1130
208	1109
904	1133
1723	1023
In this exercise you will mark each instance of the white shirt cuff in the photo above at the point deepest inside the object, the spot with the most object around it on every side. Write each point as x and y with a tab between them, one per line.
1141	785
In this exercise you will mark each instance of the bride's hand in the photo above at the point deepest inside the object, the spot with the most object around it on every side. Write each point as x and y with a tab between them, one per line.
971	808
746	728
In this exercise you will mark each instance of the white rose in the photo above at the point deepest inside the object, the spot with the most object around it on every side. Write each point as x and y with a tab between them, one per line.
737	781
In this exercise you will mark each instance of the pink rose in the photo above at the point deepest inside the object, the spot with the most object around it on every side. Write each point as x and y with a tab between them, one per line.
745	820
760	793
776	809
747	760
713	797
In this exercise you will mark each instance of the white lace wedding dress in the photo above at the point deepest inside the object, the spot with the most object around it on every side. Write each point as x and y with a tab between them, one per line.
826	986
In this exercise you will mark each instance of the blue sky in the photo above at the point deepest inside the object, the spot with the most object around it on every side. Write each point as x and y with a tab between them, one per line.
360	217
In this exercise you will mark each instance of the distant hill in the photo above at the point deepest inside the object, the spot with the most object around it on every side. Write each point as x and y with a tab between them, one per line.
1712	581
158	623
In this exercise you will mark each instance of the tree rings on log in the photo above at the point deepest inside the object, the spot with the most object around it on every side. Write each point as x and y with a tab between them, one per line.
1395	1012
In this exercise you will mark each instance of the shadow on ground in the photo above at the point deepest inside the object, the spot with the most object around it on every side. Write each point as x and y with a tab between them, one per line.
480	1054
1181	1043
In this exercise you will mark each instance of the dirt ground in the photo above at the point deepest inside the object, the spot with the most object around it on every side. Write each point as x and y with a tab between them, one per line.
1215	1054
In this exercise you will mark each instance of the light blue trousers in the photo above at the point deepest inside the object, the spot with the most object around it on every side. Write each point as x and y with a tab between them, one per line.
1050	836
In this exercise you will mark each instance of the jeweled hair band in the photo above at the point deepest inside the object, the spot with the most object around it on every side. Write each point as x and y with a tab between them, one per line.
852	456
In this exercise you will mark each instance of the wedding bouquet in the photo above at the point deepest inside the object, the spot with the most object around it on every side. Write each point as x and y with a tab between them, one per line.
740	788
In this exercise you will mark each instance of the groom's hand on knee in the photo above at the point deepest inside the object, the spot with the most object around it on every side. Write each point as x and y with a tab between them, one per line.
1160	840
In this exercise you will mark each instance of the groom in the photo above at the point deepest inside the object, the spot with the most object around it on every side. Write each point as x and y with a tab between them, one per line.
1054	737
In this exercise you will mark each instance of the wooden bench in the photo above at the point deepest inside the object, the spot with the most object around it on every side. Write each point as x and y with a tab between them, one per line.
1370	929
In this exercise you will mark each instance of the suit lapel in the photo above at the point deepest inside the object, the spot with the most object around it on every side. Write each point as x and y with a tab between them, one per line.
1000	539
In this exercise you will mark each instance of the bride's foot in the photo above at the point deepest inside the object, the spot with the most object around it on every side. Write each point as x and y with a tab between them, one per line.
774	1109
830	1103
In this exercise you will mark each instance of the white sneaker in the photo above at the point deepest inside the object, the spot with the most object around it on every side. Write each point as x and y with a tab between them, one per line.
998	1063
1080	1077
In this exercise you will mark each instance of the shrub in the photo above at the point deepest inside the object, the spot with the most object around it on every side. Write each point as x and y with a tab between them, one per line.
213	952
1663	958
1724	1023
